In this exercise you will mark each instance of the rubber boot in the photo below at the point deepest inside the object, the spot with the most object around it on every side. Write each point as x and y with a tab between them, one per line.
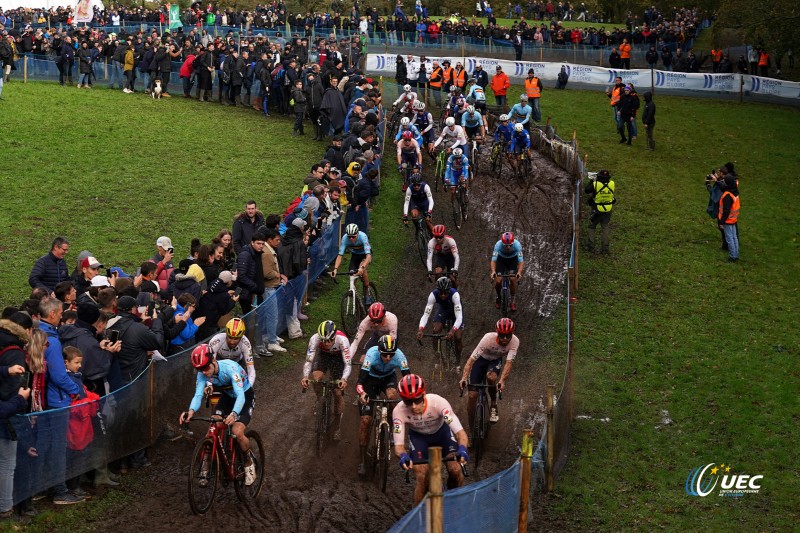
246	100
257	103
201	95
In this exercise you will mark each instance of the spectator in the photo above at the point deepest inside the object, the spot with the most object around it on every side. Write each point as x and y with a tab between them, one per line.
314	94
562	78
163	261
401	71
292	260
626	110
666	58
209	259
8	443
334	152
188	282
601	191
216	305
729	215
625	54
51	269
651	57
480	76
500	86
84	66
614	59
90	267
333	109
299	99
649	119
186	305
97	356
245	225
137	338
250	273
225	238
273	279
65	292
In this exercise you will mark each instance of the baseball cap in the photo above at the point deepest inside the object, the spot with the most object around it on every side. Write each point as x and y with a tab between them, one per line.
100	281
164	242
119	272
90	262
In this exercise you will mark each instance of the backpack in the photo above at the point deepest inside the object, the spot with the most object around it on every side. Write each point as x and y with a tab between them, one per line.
80	431
352	154
197	64
278	76
292	205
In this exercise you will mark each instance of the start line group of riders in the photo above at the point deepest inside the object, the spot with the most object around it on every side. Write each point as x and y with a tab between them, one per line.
225	364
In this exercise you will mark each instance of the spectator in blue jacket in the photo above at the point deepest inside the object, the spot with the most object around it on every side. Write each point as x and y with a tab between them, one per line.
185	339
51	269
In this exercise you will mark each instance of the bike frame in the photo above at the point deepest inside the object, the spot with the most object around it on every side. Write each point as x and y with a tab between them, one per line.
219	433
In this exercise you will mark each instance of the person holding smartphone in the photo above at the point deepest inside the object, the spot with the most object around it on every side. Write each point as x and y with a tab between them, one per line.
16	403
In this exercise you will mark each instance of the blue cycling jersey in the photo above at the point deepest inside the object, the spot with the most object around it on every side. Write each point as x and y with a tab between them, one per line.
506	252
519	114
378	369
358	246
505	131
520	140
477	93
230	374
473	121
458	163
413	129
421	120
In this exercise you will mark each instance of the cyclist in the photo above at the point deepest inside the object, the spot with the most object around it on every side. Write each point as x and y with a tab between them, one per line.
504	130
408	154
449	309
442	254
420	198
476	94
232	344
474	124
520	143
424	123
378	374
454	132
507	259
457	169
521	112
377	323
328	351
237	399
485	362
360	256
456	103
431	422
406	98
406	125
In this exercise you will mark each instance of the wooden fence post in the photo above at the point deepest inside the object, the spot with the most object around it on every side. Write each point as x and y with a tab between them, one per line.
25	69
551	440
435	498
525	480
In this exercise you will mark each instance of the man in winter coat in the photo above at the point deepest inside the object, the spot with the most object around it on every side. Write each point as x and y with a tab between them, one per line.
246	224
51	269
250	273
649	119
314	93
333	109
137	338
97	355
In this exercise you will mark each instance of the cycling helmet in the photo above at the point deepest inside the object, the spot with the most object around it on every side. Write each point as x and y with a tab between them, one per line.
201	357
450	122
458	152
234	328
473	80
439	230
411	387
407	135
405	121
471	109
444	284
387	344
523	98
327	330
419	106
351	230
415	179
518	127
503	117
505	326
377	311
507	238
453	89
407	88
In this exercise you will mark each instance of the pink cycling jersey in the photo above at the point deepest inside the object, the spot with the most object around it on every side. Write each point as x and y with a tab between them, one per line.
490	349
437	413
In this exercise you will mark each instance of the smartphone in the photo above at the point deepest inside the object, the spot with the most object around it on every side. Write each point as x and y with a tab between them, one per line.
26	380
138	272
113	336
171	250
238	291
109	275
150	308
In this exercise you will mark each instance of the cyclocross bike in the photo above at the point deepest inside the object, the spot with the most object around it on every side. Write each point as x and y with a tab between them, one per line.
474	154
379	453
445	353
218	452
421	236
440	170
324	413
353	309
459	202
521	165
480	427
505	293
498	157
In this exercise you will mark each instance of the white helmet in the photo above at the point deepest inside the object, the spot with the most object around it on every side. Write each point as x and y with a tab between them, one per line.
407	88
419	106
458	152
450	122
351	230
471	109
503	117
523	98
405	121
518	127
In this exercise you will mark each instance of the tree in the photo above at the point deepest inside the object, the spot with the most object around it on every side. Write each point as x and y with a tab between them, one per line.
772	25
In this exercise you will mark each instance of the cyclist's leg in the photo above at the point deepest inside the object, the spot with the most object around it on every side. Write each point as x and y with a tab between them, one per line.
418	450
458	338
366	419
437	328
475	376
317	375
492	373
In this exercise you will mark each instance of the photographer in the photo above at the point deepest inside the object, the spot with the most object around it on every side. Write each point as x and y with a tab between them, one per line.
601	198
715	184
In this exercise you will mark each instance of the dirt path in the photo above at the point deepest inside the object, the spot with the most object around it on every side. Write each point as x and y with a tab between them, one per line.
303	494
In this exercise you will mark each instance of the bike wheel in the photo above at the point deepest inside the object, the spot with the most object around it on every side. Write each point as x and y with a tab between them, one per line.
451	357
321	433
373	293
525	168
203	487
463	198
505	298
496	160
422	246
478	435
458	219
475	161
383	452
350	320
250	492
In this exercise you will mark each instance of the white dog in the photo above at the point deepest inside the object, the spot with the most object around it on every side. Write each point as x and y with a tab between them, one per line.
157	90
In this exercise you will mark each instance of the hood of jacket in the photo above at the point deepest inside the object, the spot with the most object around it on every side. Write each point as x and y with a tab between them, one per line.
71	332
648	96
12	333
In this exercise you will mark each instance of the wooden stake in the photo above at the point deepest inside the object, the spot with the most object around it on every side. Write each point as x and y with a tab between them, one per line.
435	497
551	441
525	479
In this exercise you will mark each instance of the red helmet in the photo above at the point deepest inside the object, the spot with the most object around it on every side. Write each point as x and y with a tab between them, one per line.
408	135
507	238
377	311
201	357
411	387
505	326
439	230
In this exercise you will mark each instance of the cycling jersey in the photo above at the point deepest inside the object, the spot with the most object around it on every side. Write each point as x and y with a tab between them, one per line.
339	348
472	121
229	374
501	250
408	152
374	366
457	104
489	348
359	246
451	306
423	121
422	198
438	412
456	133
504	131
242	353
387	326
407	103
477	94
442	247
413	129
456	168
520	114
520	140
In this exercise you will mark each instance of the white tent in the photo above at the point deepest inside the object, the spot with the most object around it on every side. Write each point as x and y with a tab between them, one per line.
46	4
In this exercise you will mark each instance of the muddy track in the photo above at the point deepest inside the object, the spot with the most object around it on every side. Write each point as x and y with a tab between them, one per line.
303	494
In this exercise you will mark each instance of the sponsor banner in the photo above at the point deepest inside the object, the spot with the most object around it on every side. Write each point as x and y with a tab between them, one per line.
603	78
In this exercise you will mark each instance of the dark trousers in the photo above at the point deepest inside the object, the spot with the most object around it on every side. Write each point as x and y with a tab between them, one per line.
130	76
236	90
298	121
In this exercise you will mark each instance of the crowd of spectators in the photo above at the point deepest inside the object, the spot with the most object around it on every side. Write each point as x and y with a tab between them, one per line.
90	328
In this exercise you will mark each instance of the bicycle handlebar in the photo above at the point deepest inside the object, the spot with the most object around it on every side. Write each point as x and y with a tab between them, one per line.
445	460
481	386
323	382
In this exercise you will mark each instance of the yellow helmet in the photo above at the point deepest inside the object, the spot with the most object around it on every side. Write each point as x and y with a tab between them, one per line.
235	328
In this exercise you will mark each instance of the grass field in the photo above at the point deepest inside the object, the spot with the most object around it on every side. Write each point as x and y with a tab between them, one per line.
663	323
